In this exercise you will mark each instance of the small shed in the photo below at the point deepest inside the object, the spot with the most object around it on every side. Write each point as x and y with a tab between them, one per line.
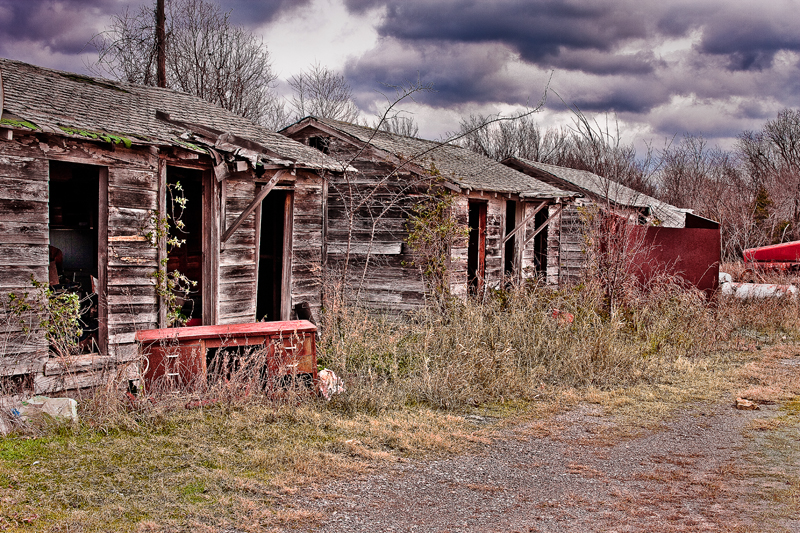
87	168
507	212
687	244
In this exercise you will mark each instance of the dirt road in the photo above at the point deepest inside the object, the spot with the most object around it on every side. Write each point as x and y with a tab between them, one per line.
708	468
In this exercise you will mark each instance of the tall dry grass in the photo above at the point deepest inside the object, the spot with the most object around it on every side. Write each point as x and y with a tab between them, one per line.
510	344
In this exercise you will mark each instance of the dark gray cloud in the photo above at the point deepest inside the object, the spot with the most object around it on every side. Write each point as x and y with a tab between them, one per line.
636	58
537	30
61	26
252	14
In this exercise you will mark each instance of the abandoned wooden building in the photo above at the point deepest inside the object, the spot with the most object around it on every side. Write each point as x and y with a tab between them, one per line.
88	166
367	228
688	242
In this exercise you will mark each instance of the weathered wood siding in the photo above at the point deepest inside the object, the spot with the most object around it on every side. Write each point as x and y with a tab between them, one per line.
132	260
308	240
23	251
378	271
237	257
572	260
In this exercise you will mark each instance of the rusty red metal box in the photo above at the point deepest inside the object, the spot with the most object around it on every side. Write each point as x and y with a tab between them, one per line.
179	355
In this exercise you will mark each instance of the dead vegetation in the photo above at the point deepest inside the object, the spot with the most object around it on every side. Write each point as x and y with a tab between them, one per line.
235	455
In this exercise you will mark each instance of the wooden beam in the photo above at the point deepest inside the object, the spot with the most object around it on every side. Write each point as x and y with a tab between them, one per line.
211	224
102	261
221	137
255	203
546	222
286	267
527	219
162	239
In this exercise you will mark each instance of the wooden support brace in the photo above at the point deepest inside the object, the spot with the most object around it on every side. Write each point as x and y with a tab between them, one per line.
546	222
527	219
254	204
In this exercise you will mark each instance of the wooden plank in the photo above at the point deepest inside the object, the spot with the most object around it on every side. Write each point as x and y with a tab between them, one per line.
28	359
527	219
102	260
211	243
80	380
161	257
363	248
132	198
286	268
82	363
133	178
24	232
22	189
26	168
255	203
24	254
544	225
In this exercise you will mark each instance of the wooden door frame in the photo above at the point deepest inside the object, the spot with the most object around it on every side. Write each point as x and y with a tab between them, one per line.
286	256
286	267
480	274
102	260
211	245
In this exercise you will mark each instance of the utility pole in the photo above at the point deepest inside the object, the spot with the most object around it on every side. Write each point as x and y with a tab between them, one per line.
161	38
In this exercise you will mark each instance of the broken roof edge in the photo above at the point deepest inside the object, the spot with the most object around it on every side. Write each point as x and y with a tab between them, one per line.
338	129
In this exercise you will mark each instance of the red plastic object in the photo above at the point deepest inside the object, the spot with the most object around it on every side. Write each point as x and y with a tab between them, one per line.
787	252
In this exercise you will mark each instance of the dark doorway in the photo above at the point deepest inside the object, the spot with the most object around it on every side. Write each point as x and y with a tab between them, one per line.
476	253
188	257
510	249
540	243
78	211
273	253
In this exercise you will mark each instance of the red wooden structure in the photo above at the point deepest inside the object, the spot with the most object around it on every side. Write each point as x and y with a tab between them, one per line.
180	356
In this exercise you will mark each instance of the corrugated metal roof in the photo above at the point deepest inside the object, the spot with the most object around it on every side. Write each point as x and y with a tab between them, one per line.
73	104
464	167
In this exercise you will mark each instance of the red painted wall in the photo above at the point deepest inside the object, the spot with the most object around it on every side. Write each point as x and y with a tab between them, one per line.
691	253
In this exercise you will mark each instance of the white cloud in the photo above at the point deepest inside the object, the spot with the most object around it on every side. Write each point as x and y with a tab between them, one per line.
323	32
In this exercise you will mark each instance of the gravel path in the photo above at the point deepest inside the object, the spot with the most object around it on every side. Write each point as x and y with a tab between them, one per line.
577	472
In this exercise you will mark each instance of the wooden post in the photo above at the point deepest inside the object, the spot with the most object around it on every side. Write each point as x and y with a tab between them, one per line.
102	261
210	248
286	274
161	42
162	239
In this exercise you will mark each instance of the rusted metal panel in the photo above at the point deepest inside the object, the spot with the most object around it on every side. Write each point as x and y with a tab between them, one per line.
178	356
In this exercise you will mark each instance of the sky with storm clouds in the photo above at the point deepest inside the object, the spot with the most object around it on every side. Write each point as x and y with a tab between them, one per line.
659	67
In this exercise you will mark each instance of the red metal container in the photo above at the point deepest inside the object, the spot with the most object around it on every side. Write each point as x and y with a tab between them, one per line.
179	356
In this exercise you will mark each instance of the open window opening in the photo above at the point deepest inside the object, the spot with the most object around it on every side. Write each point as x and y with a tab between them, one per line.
510	248
78	211
274	256
188	257
540	243
320	143
476	251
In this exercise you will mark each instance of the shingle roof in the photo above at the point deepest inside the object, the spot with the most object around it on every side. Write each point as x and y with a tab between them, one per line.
584	181
54	101
460	165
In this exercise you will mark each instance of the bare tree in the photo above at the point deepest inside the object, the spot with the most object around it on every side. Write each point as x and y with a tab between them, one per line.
321	92
513	138
398	124
772	160
206	55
